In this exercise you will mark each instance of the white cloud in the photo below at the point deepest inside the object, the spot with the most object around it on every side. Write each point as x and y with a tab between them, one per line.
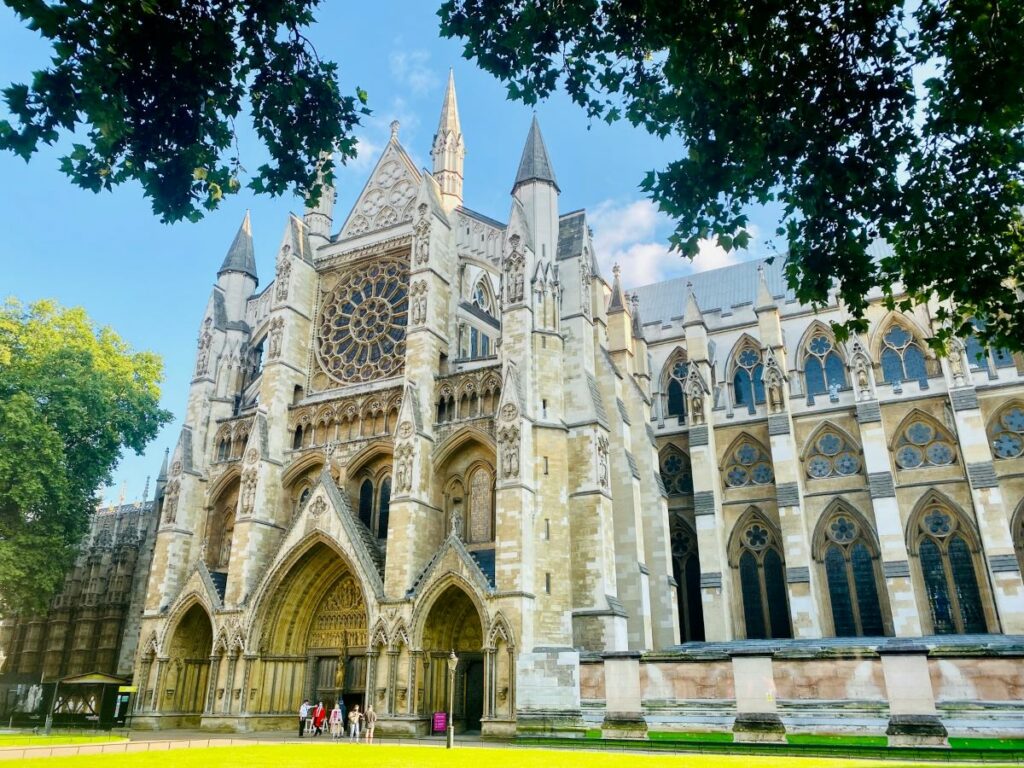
410	68
634	235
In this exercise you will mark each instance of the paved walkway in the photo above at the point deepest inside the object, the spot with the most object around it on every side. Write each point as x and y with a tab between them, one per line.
160	741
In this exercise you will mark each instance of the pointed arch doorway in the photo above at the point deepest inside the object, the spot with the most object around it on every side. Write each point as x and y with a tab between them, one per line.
453	623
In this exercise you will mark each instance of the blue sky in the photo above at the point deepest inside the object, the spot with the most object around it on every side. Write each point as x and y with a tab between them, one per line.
150	281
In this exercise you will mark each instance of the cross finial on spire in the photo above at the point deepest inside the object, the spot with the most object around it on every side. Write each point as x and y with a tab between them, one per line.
616	269
394	129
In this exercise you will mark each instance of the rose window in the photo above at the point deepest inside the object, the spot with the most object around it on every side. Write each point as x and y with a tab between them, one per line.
361	331
922	444
749	464
1007	434
832	456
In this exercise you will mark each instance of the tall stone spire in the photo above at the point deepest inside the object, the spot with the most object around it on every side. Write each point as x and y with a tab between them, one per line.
449	150
241	255
765	300
535	164
617	302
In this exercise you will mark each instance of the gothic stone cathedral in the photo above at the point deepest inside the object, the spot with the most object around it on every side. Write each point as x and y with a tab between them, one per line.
436	431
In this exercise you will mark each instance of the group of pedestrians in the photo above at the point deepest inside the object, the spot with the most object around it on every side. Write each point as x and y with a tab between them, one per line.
312	720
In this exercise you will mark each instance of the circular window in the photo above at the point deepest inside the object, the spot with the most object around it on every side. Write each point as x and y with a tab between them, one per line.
361	330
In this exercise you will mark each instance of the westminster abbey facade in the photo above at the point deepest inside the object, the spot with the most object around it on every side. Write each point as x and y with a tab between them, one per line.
687	506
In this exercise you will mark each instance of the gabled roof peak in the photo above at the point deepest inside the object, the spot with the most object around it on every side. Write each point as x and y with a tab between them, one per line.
535	164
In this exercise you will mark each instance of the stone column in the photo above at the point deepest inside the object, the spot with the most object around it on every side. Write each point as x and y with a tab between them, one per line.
145	668
161	667
229	683
991	512
913	718
243	705
757	716
801	581
211	694
414	663
389	696
891	538
488	682
624	716
371	676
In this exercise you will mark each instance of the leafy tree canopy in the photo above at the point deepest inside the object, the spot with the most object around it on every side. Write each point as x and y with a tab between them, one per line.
72	397
152	89
877	119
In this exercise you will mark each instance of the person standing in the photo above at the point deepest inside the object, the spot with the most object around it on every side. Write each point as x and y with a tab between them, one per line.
319	715
303	714
335	720
344	718
371	723
353	723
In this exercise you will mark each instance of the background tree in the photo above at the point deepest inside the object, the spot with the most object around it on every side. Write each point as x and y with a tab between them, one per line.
153	89
72	397
862	120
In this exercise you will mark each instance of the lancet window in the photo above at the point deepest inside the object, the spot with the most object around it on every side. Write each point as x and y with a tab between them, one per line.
948	557
850	559
748	386
757	551
823	367
902	358
748	464
675	399
923	443
375	505
1007	433
686	569
676	473
832	455
980	357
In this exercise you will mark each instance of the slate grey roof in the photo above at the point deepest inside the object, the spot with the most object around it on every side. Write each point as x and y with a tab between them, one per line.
241	255
716	290
725	288
570	235
535	165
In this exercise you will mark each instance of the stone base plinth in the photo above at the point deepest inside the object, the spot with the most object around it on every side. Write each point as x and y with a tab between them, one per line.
758	727
497	728
402	726
916	731
551	723
624	725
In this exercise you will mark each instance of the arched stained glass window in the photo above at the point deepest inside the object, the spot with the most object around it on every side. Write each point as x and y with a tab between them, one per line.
748	464
676	473
366	503
748	388
1007	433
686	569
762	576
980	357
902	357
923	443
852	575
675	401
384	508
483	298
832	455
949	572
823	368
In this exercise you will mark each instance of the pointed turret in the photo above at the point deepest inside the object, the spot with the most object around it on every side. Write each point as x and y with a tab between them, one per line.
692	314
319	220
162	476
534	164
765	300
449	150
241	255
617	303
638	328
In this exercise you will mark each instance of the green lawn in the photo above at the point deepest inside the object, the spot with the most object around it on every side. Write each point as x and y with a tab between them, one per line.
367	756
54	739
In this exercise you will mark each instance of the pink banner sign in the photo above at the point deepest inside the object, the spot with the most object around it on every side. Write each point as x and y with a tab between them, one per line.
440	722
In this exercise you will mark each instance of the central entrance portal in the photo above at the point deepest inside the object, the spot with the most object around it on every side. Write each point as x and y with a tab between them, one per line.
454	624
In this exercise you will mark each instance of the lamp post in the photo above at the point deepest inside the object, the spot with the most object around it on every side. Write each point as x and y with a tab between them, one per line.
453	662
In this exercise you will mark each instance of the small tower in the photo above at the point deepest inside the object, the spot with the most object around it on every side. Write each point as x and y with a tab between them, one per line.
237	275
535	187
449	150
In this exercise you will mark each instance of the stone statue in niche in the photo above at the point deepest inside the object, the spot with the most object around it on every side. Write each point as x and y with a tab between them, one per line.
205	341
455	521
602	461
274	342
284	271
508	439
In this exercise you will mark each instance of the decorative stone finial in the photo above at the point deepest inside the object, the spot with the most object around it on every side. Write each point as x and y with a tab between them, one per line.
394	129
616	269
635	300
